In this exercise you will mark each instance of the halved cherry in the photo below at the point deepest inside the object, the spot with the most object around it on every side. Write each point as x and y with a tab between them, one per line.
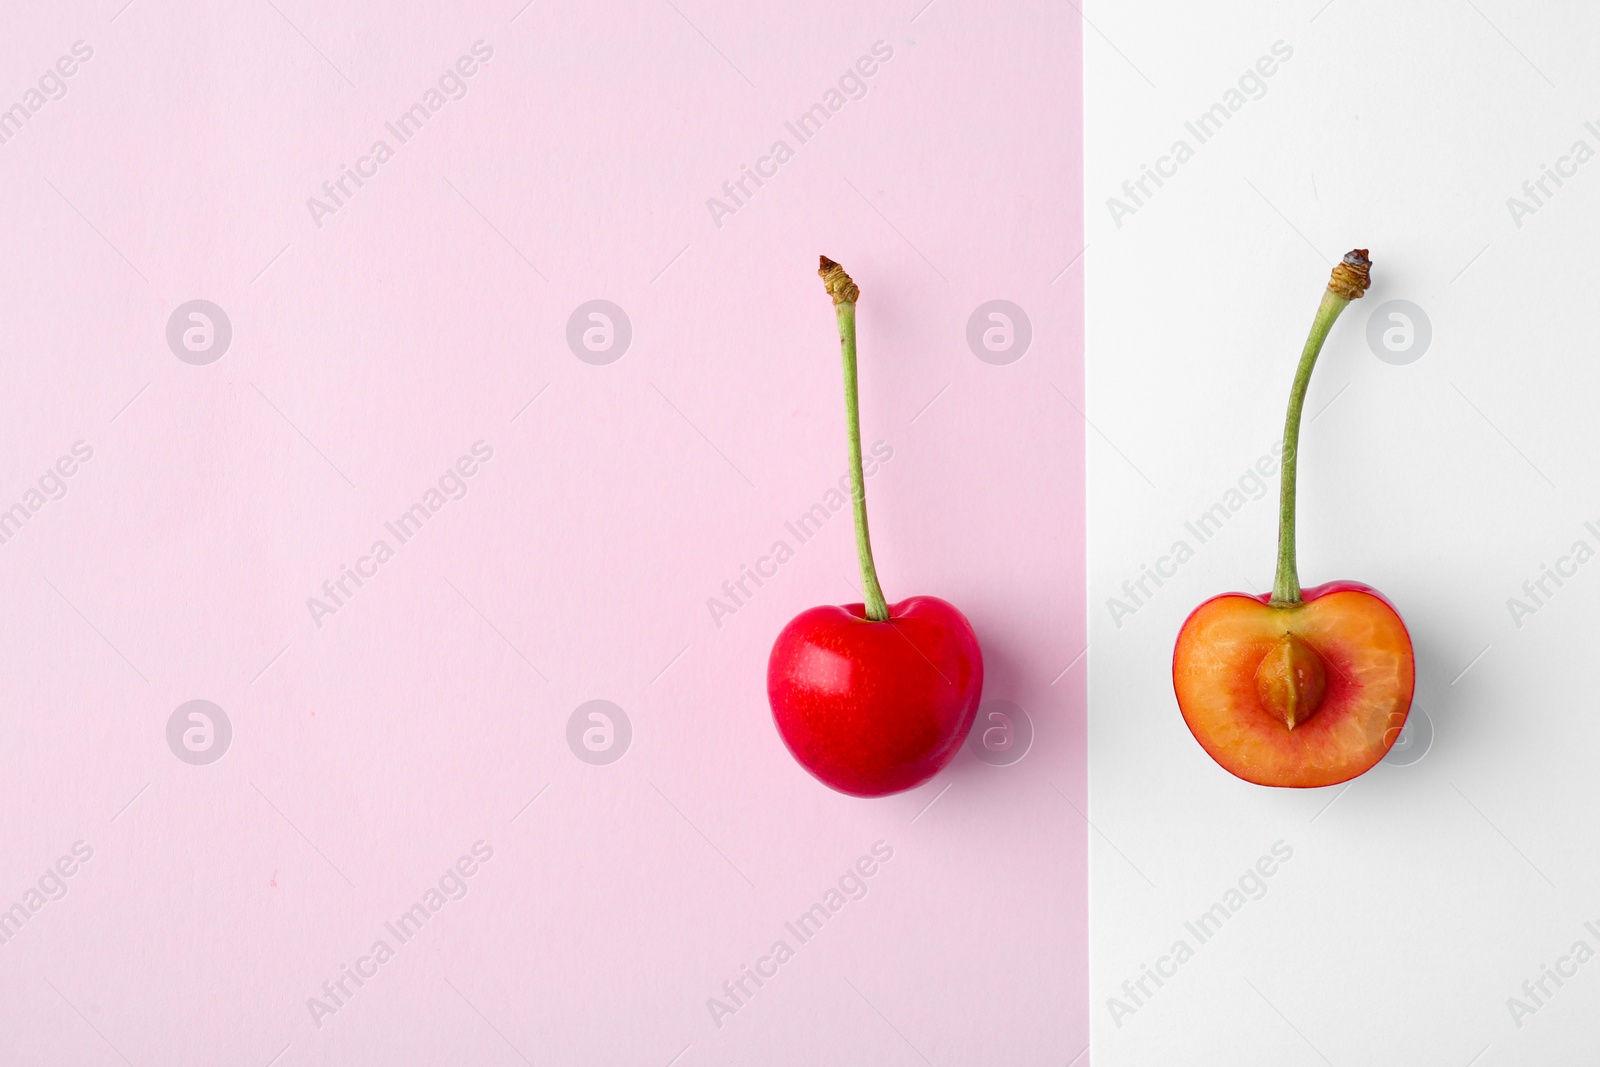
1308	694
1297	688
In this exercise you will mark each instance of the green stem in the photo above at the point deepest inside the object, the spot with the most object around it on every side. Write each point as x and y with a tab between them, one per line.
1341	290
844	293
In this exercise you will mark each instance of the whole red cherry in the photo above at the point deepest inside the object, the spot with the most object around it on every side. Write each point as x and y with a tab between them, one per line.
872	698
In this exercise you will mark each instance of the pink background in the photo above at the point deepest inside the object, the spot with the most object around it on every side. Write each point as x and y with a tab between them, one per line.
371	352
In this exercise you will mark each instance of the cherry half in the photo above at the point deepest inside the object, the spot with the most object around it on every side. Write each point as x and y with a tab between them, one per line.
1298	688
872	698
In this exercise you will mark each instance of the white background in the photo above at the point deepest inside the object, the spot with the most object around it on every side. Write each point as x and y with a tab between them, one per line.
1420	897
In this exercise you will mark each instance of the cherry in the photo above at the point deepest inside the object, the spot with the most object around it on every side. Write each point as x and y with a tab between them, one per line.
872	698
1298	687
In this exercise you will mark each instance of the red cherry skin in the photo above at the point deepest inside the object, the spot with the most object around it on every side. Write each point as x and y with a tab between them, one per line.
873	708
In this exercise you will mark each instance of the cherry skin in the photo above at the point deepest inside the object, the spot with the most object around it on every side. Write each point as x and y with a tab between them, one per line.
873	708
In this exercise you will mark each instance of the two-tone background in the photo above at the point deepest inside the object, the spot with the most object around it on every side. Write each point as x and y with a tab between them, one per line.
401	410
558	347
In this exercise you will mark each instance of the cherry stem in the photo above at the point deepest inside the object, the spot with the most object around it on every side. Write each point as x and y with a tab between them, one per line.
845	293
1350	280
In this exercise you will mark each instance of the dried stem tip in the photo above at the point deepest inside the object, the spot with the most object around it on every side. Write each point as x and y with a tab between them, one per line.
1351	276
837	282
